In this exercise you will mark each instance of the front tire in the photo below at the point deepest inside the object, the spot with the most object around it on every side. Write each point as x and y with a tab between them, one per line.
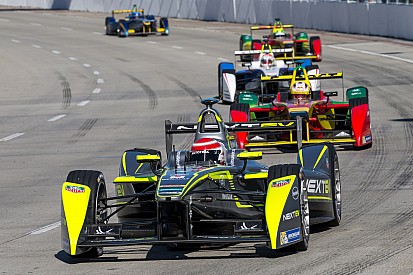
279	171
96	212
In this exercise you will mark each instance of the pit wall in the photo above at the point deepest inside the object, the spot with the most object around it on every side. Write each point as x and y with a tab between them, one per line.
360	18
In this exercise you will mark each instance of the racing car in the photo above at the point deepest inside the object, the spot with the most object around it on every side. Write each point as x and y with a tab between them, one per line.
214	193
135	23
340	122
264	62
279	38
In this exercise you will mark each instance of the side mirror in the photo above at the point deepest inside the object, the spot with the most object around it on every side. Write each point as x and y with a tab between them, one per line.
249	155
328	94
248	64
147	158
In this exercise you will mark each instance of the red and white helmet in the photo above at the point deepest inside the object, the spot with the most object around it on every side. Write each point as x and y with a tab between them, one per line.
267	60
205	149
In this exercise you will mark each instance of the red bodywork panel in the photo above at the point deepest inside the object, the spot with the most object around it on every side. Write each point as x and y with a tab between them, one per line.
360	122
360	119
316	46
238	116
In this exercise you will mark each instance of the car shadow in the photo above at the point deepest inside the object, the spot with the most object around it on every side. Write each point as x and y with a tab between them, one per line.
162	252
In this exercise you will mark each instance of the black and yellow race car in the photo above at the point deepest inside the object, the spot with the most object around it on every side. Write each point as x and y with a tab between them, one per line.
136	22
213	193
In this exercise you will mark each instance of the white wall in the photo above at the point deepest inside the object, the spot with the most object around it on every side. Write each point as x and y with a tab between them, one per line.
371	19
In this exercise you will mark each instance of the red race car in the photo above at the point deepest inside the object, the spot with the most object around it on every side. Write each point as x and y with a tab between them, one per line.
339	122
279	38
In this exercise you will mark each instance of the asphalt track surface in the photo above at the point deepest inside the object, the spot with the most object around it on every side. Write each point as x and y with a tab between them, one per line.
73	98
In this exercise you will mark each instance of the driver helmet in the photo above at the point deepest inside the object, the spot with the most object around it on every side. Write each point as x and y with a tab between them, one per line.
300	91
267	60
279	33
208	149
135	15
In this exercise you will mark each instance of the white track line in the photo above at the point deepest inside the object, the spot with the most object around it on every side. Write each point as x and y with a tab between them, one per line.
36	46
222	59
83	103
86	65
55	52
151	42
371	53
12	136
100	81
15	41
72	58
97	33
56	118
66	29
177	47
96	91
44	229
200	53
96	73
4	20
35	24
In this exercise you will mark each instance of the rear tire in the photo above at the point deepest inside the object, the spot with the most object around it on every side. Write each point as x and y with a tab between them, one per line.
336	187
245	58
278	171
96	212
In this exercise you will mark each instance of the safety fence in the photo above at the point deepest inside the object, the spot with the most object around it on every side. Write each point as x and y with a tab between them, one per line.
370	18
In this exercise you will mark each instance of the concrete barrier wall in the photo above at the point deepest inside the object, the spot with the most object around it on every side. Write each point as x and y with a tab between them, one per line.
361	18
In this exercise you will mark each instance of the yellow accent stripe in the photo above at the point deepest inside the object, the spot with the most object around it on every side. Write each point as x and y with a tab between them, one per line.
239	205
260	175
132	179
143	158
274	206
74	207
123	27
301	157
124	163
320	156
189	187
139	167
319	198
249	155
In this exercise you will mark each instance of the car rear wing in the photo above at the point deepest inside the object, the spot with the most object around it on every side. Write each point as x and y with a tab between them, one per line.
258	28
310	77
256	126
126	11
294	57
252	52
